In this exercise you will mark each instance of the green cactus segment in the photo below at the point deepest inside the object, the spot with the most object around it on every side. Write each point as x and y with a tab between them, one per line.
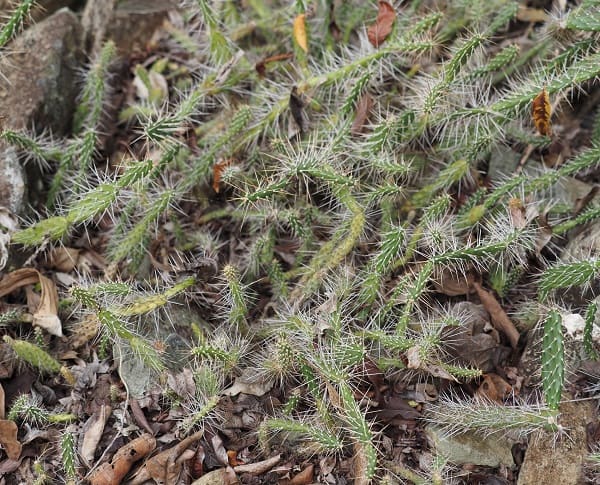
553	359
34	356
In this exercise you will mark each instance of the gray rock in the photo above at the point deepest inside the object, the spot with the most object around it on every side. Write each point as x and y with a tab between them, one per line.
130	23
38	89
553	460
472	448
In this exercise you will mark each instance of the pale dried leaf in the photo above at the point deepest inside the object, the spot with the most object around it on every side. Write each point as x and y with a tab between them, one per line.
258	467
498	316
299	32
46	314
94	427
8	439
223	476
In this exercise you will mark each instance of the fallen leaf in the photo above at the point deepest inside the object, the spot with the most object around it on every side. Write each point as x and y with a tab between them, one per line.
197	465
8	439
379	31
223	476
541	110
494	388
249	385
166	467
218	169
233	459
259	467
64	259
517	213
299	32
261	66
113	472
498	316
528	14
304	477
363	109
46	314
94	427
453	283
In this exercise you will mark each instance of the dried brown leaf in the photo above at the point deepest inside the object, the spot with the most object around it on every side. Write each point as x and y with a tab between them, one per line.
363	109
541	111
218	169
517	213
299	32
379	31
494	388
8	439
258	467
166	465
113	473
46	314
304	477
64	259
261	66
528	14
223	476
94	428
297	108
498	316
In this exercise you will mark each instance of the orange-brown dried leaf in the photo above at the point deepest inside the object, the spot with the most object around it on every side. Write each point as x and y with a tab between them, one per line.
379	31
304	477
498	316
363	109
113	473
542	111
517	213
166	463
299	32
46	313
494	388
8	439
261	66
218	169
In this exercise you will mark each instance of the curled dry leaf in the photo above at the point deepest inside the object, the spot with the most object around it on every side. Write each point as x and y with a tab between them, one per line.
64	259
299	32
494	388
113	473
46	314
93	433
304	477
379	31
541	111
517	213
259	467
8	439
222	476
363	109
498	316
166	467
218	169
261	66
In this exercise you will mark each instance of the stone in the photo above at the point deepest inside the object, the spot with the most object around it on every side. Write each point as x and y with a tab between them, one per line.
130	23
472	448
38	89
559	460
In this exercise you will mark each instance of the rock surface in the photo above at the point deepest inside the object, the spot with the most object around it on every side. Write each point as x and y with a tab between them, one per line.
471	448
39	89
553	461
130	23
